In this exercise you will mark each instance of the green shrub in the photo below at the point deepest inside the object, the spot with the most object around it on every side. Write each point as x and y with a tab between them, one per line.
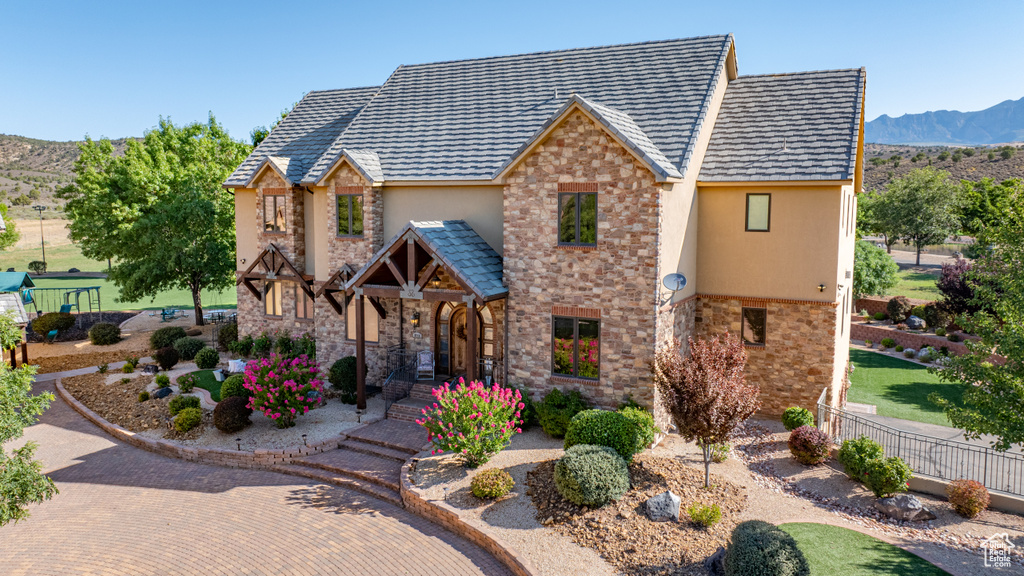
162	380
262	345
104	334
644	423
166	357
809	445
127	368
37	267
940	331
132	360
761	549
242	347
899	348
887	476
954	337
188	419
719	452
233	386
706	516
557	409
52	321
918	311
232	414
283	344
796	417
188	347
880	316
227	335
493	483
899	308
179	403
869	343
528	415
888	342
604	428
305	344
343	378
143	396
187	382
165	337
968	497
590	475
207	359
854	455
102	368
936	317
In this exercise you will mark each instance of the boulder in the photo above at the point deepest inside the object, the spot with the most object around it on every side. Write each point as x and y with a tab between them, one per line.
150	369
915	323
161	392
926	352
663	507
715	564
73	270
904	507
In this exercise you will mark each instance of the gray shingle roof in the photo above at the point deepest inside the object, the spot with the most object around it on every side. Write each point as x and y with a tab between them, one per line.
465	119
801	126
10	302
303	136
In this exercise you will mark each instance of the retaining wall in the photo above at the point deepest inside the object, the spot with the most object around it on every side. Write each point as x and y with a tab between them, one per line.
905	339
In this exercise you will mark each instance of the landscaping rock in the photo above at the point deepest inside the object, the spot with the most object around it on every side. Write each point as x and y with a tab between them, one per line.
915	323
663	507
161	392
150	369
904	507
715	564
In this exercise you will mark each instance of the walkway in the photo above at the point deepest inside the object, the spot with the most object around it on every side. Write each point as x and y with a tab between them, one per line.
122	510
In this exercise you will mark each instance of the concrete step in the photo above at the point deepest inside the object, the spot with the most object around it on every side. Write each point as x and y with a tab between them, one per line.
384	472
375	450
405	437
352	483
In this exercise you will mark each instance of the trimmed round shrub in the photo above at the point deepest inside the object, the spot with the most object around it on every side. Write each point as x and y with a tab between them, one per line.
188	347
879	316
968	497
187	382
104	334
166	357
165	337
227	335
854	455
888	342
604	428
899	308
936	317
179	403
761	549
940	331
706	516
796	417
188	419
918	311
591	475
899	348
343	378
644	423
207	359
556	410
809	445
162	380
887	476
233	386
53	321
493	483
143	396
232	414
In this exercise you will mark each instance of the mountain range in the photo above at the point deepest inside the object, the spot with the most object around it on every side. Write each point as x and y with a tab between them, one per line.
1000	124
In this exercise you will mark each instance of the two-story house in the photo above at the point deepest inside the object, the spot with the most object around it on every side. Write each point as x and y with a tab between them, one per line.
550	219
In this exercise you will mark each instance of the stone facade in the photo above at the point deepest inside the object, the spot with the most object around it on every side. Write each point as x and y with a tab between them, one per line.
615	281
796	362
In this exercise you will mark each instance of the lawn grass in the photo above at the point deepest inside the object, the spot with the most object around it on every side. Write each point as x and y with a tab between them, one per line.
58	259
834	550
168	299
899	388
209	383
917	284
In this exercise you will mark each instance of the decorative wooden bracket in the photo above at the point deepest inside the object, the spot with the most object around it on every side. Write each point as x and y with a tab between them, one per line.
272	262
333	285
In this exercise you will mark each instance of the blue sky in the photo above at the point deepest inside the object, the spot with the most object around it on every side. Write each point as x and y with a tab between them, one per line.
112	68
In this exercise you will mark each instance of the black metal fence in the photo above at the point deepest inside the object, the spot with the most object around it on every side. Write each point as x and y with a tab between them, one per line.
929	456
401	376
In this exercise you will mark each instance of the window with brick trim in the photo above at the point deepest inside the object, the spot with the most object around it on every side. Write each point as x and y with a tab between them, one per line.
755	325
759	212
303	304
272	298
576	347
273	213
577	218
372	324
350	215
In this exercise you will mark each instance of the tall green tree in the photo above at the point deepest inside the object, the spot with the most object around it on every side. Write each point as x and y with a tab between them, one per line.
879	213
983	203
21	479
994	393
10	235
875	273
926	204
159	210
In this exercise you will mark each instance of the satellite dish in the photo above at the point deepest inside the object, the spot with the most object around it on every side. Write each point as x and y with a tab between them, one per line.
674	282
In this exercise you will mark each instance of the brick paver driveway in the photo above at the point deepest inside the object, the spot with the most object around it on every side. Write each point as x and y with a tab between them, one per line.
126	511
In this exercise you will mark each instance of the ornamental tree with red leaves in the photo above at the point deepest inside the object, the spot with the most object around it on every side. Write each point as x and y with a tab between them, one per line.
957	288
706	392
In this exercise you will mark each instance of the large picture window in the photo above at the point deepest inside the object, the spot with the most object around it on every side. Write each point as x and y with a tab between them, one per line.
303	304
272	298
577	218
350	215
576	350
273	213
372	321
755	323
759	212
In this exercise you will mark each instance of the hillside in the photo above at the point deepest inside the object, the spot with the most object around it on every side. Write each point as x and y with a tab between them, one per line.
973	164
1000	124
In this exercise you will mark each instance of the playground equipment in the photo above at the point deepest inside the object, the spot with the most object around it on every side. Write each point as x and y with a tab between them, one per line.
46	300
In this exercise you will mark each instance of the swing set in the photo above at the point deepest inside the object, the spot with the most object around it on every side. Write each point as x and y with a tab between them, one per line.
65	300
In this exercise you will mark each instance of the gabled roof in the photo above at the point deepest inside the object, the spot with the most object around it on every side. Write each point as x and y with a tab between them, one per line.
464	120
15	281
802	126
303	136
10	302
365	161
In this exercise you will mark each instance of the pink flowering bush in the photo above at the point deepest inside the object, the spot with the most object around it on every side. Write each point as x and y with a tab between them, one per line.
472	421
283	388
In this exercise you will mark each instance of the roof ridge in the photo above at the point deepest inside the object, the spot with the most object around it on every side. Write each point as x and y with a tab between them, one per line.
709	93
803	73
342	89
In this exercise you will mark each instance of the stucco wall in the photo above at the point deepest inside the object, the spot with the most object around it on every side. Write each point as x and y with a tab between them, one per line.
480	206
246	247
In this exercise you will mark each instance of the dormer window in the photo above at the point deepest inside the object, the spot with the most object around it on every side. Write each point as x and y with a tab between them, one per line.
273	213
577	214
350	215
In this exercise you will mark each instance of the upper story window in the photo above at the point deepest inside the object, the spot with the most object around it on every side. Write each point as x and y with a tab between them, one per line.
576	347
577	218
272	298
759	212
350	215
273	213
755	325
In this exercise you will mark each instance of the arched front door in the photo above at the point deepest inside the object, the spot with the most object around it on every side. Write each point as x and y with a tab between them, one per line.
450	341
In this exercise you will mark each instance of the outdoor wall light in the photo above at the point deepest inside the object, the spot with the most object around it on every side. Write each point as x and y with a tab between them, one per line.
243	260
821	287
435	282
415	319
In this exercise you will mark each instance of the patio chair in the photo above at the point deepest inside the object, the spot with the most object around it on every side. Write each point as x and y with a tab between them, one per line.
424	365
